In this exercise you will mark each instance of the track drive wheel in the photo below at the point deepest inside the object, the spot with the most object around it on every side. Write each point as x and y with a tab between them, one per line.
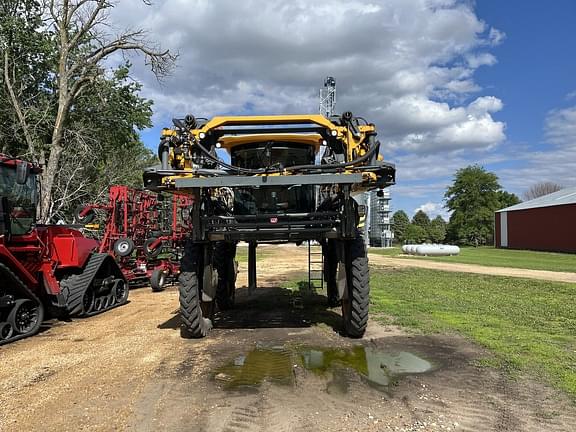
356	301
224	254
194	323
158	280
26	317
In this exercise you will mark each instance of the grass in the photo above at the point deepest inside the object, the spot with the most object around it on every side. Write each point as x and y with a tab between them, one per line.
393	251
529	325
493	257
242	253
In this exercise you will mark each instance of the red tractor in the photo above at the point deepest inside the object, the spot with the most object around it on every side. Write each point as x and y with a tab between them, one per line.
44	267
145	231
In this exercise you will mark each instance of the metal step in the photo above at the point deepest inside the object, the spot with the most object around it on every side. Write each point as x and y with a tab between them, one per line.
315	267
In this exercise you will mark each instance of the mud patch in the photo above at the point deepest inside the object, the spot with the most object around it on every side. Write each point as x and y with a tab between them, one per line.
279	365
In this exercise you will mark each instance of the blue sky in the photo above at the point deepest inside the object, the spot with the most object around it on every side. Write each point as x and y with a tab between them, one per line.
447	82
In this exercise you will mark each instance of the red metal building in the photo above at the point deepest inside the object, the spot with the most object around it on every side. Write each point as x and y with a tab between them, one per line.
547	223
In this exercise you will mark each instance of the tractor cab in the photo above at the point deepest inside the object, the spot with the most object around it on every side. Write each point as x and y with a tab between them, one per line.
18	196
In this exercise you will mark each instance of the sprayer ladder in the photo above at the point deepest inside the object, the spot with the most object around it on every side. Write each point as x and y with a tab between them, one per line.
315	267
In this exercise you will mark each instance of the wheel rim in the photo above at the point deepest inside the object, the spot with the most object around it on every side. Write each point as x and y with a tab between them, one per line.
161	280
88	300
6	331
120	290
123	247
26	317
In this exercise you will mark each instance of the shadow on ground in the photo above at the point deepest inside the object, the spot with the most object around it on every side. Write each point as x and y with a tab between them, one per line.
273	307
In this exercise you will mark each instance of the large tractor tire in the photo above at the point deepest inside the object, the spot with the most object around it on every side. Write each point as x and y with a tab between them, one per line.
194	323
196	314
224	254
355	303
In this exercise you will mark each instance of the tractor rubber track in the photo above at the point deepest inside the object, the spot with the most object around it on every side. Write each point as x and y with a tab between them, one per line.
74	288
7	332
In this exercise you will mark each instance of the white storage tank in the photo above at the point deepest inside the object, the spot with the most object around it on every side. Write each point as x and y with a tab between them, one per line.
412	249
437	250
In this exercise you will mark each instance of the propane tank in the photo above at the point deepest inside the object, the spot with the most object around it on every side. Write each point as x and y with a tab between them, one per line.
436	250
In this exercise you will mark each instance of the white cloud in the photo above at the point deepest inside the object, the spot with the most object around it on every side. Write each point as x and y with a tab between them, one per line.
433	209
555	163
404	64
418	124
561	127
482	59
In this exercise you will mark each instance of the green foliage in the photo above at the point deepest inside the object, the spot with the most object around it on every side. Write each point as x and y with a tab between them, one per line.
472	198
437	230
105	121
400	222
101	143
506	199
415	234
530	325
421	219
28	51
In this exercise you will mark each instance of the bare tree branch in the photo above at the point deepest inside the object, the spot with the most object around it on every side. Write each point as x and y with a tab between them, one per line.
17	108
540	189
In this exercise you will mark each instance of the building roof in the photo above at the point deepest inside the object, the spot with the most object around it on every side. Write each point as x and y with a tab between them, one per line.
562	197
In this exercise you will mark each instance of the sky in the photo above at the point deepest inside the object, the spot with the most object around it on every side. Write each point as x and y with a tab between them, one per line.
448	83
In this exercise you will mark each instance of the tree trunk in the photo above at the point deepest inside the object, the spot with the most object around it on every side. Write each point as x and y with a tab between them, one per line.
56	149
47	182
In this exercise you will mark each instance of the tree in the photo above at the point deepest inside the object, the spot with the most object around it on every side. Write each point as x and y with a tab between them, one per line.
399	223
105	147
437	230
82	42
421	219
26	65
415	234
540	189
507	199
473	199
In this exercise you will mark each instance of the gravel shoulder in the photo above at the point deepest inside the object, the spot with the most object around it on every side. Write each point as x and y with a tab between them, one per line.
129	369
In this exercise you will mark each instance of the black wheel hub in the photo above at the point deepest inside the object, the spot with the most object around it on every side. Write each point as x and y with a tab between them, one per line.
26	317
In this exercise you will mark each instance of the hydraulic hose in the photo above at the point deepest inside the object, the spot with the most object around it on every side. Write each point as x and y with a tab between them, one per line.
225	165
356	161
373	148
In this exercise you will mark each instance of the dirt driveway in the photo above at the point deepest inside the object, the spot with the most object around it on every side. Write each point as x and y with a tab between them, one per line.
408	261
276	363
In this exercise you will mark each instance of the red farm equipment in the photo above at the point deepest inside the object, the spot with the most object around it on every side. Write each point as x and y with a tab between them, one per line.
145	231
46	267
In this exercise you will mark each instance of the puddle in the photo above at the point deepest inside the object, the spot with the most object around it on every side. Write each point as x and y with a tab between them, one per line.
259	365
277	365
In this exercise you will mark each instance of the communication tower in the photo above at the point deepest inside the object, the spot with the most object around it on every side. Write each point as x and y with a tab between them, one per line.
328	97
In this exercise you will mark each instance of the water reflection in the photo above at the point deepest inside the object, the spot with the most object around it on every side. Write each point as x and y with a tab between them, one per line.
277	365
